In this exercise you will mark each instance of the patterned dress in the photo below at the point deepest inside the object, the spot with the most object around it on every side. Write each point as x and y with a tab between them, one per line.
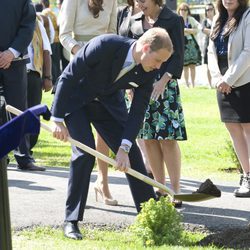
164	118
192	52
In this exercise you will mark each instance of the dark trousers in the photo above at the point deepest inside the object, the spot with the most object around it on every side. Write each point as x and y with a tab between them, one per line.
14	81
34	98
56	57
81	165
64	61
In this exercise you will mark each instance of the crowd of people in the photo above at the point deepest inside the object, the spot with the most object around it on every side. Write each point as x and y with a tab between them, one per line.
117	68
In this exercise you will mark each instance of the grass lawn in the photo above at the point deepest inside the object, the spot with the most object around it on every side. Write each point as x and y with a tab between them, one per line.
204	154
94	239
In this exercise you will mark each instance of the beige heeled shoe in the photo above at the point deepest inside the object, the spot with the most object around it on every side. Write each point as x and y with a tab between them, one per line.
107	201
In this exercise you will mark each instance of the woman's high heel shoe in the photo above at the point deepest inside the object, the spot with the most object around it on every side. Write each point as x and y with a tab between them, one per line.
107	201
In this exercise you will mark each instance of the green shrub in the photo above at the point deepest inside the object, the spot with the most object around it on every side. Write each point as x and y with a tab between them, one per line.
228	152
233	155
158	223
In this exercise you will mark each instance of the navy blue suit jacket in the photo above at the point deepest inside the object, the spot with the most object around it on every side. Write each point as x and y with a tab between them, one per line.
92	74
17	18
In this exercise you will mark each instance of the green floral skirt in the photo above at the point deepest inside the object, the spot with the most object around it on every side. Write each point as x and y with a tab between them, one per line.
164	118
192	53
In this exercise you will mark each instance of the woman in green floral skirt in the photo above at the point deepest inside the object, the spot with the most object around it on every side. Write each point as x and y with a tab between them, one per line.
192	53
164	120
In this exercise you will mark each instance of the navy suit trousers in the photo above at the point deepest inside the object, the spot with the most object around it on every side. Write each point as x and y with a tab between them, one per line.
81	165
14	81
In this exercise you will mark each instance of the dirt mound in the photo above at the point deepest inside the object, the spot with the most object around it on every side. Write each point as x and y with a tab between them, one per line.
208	187
237	238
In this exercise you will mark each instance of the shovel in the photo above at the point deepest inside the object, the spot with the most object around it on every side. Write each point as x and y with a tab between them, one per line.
193	197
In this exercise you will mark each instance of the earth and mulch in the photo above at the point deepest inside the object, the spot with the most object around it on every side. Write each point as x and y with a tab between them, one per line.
236	238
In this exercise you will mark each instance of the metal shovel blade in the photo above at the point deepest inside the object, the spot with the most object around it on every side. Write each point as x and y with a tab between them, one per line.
194	197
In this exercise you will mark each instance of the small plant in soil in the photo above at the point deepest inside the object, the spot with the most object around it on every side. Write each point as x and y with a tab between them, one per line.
158	223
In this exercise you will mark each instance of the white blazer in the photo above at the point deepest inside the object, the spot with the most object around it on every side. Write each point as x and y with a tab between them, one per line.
238	72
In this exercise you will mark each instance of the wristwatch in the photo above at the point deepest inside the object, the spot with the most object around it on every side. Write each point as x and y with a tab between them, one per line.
125	148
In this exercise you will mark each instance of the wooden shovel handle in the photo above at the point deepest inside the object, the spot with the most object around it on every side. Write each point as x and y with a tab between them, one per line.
101	156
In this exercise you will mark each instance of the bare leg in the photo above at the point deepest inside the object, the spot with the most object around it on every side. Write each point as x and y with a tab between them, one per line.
186	73
192	74
246	128
240	135
102	179
155	157
169	152
172	159
141	144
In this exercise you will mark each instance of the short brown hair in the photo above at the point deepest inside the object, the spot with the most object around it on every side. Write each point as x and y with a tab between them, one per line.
157	38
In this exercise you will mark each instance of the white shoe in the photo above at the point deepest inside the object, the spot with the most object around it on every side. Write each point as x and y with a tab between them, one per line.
244	189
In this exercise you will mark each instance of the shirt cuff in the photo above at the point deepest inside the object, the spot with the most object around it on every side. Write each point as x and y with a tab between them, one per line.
127	142
15	52
56	119
169	74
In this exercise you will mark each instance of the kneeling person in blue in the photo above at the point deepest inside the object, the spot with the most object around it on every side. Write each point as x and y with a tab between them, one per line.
90	91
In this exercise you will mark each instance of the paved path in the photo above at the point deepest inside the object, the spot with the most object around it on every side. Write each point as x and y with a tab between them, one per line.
38	198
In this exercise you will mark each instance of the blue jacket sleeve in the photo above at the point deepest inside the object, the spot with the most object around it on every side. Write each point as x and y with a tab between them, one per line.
26	28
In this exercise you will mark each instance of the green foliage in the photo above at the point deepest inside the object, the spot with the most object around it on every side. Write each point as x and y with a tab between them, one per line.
230	153
233	156
207	136
158	223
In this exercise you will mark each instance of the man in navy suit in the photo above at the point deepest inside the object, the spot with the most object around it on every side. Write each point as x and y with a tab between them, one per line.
17	18
90	91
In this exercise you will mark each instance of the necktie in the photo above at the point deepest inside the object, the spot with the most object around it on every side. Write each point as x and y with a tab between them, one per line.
126	68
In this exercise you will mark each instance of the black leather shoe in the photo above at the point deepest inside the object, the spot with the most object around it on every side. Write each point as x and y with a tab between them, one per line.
159	195
71	230
31	167
176	203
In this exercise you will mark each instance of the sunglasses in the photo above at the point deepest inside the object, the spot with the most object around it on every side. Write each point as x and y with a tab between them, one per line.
184	9
209	9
